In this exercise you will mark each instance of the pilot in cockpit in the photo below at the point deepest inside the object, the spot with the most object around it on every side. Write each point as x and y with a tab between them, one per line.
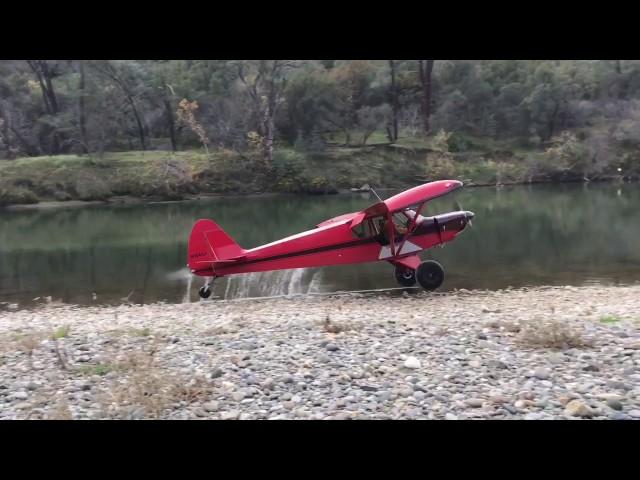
400	224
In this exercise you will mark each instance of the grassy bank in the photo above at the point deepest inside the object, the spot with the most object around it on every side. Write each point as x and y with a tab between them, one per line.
173	176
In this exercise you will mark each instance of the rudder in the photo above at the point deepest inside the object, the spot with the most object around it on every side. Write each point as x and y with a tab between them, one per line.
208	243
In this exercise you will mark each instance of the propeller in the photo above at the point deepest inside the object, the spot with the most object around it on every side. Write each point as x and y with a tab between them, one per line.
458	207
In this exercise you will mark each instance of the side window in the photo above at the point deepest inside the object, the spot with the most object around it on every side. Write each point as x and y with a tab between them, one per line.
376	225
359	231
370	227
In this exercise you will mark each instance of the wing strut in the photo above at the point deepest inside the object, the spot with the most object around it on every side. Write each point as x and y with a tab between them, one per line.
374	192
412	225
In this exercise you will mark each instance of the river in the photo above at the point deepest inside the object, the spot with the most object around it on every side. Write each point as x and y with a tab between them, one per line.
566	234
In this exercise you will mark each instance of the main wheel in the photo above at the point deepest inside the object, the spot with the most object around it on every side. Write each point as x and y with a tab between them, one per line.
430	274
405	276
204	292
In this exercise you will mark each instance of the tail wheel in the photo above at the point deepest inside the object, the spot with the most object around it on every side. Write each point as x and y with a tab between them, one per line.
204	291
405	276
430	274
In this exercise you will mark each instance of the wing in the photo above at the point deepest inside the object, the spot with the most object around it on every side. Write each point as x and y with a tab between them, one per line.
340	218
420	194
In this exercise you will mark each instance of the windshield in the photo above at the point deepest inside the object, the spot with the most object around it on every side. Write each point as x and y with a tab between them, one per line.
410	213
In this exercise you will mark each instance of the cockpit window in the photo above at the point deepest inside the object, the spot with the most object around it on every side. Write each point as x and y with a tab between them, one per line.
401	220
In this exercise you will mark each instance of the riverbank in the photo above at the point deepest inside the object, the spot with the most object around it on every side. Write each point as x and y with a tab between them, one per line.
130	177
544	353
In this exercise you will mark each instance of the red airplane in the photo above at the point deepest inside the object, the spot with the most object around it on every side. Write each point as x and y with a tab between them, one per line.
391	230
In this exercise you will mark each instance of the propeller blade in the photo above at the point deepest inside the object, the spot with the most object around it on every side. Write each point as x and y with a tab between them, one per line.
458	207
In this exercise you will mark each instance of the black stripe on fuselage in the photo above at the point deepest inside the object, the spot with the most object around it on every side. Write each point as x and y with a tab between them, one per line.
352	243
311	251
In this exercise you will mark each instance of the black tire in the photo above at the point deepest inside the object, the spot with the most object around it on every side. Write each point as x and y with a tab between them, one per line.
204	292
430	274
405	276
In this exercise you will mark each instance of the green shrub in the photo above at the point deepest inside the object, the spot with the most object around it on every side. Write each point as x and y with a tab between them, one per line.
89	186
17	195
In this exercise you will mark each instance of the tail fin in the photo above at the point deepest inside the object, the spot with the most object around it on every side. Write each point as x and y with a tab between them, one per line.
209	243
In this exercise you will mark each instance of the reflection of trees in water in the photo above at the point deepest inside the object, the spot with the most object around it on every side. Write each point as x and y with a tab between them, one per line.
521	235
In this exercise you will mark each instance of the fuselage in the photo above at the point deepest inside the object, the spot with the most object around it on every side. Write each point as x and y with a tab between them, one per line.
337	242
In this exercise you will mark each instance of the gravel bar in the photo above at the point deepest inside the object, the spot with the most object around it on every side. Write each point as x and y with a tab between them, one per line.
534	354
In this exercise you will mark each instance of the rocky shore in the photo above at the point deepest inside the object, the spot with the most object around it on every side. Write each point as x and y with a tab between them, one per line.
544	353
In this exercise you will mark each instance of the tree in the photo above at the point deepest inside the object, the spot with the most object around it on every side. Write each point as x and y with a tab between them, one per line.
185	114
265	81
45	73
82	109
371	119
425	70
392	132
123	75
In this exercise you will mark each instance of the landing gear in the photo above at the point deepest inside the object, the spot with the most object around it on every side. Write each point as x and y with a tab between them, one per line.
430	274
205	290
405	276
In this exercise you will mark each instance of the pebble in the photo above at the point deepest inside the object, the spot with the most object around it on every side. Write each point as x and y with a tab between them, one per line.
618	416
557	358
634	413
614	403
474	402
520	404
237	396
618	385
542	373
450	416
499	399
576	408
212	406
532	416
511	409
413	363
332	347
230	415
497	364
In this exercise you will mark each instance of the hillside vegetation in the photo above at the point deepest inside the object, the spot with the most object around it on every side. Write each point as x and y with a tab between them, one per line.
95	129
